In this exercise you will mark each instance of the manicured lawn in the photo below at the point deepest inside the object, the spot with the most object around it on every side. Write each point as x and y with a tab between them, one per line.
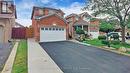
97	42
94	42
120	45
20	63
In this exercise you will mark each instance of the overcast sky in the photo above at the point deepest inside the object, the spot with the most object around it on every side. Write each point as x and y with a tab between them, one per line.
24	8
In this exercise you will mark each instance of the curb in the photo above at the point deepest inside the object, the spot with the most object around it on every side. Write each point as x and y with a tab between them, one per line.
103	48
9	63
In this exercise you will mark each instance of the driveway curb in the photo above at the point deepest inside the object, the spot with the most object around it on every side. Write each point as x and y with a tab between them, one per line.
9	63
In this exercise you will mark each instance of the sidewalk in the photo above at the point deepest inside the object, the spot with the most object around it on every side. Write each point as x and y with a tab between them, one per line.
39	61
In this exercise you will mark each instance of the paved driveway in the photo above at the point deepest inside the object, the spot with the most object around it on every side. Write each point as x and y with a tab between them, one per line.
4	53
75	58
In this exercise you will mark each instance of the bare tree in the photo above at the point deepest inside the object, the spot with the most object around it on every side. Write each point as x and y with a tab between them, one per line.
119	9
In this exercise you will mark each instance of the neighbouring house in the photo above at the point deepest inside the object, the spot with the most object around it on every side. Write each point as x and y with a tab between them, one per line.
7	19
84	21
49	24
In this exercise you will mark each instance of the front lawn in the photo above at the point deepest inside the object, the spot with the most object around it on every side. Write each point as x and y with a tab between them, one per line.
94	42
97	42
20	63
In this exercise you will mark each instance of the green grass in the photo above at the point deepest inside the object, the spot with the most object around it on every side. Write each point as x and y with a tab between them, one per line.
94	42
97	42
20	63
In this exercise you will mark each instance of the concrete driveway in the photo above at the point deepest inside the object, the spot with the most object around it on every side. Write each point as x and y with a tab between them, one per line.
75	58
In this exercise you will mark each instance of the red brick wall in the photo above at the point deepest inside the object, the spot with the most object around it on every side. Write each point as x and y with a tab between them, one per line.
95	22
94	25
52	20
49	21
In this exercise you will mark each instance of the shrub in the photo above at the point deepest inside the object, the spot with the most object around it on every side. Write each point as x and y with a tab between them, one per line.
115	42
103	37
80	31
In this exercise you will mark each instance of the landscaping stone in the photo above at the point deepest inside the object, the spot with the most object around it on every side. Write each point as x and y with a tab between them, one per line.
123	49
128	49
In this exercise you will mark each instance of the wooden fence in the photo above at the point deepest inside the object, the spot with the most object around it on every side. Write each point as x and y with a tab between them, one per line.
22	33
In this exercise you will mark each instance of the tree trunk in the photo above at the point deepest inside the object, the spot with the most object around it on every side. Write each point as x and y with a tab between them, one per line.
123	34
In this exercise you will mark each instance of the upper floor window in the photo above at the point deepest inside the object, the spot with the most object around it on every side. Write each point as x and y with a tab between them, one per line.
51	12
41	12
7	7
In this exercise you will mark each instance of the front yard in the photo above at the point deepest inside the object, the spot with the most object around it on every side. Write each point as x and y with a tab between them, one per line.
20	63
98	43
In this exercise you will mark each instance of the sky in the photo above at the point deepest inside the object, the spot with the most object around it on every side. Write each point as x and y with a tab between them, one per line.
24	8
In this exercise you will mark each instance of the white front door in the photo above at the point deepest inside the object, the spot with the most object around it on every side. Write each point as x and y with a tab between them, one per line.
1	34
50	34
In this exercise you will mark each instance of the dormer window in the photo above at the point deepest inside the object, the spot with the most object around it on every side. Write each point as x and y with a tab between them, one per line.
7	7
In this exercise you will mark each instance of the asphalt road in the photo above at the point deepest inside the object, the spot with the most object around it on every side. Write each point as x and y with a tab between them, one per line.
5	50
75	58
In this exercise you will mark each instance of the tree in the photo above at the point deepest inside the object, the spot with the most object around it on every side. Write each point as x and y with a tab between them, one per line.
106	27
119	9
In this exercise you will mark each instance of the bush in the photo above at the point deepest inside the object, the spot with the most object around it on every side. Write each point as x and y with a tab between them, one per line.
115	42
80	31
103	37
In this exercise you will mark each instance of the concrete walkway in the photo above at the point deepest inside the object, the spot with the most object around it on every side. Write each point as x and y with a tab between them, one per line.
39	61
9	63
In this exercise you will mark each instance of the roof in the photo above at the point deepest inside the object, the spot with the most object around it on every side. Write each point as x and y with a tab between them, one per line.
81	22
85	14
73	14
45	8
46	16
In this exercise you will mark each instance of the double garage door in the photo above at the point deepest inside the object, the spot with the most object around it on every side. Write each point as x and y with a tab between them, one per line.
51	34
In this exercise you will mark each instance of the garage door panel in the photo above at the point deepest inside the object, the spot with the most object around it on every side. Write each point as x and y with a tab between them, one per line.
52	35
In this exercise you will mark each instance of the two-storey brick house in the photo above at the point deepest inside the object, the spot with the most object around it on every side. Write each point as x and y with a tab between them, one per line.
7	19
49	24
85	22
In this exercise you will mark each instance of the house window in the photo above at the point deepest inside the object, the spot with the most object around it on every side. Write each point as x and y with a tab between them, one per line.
46	28
59	29
49	28
42	28
53	28
41	12
56	29
51	12
6	7
62	29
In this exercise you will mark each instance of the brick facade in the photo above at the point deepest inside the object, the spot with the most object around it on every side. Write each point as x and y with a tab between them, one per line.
47	21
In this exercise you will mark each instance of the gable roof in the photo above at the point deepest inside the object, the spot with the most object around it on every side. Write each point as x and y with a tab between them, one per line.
46	16
45	8
73	14
81	22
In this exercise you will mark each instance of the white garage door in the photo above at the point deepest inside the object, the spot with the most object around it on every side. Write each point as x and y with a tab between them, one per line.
52	34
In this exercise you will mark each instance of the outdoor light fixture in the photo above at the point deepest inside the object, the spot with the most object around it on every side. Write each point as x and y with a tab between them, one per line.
54	24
